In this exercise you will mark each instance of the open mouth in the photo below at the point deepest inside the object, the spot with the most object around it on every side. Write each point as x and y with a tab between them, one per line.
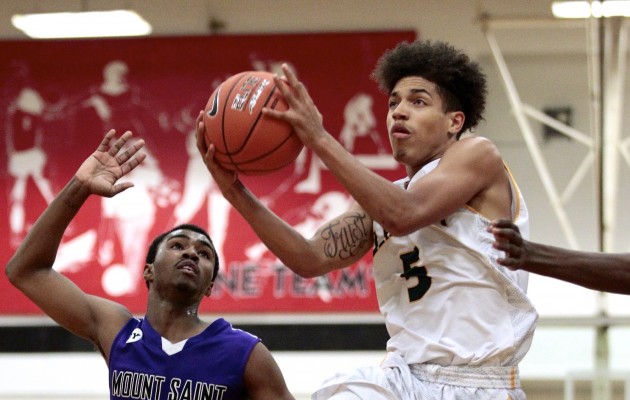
188	266
399	131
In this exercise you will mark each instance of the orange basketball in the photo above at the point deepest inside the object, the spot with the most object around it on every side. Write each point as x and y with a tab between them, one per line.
246	140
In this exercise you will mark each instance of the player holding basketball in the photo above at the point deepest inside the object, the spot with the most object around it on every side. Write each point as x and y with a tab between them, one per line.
171	353
598	271
459	323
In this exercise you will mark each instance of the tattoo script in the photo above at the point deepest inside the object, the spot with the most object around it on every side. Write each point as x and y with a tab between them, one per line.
344	238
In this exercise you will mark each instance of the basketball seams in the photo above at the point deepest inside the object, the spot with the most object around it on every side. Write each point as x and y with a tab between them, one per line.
252	129
226	108
242	165
272	150
250	133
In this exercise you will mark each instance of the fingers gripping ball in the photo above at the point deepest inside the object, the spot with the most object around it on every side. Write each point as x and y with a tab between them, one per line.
246	140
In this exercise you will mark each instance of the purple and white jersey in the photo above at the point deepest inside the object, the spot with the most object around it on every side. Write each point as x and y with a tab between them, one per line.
211	365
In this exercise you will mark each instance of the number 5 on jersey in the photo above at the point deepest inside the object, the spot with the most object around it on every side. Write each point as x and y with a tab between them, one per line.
424	281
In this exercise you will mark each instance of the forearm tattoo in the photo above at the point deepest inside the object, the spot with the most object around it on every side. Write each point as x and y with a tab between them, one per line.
345	237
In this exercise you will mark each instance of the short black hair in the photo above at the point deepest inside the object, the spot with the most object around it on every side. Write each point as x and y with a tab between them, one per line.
460	81
152	252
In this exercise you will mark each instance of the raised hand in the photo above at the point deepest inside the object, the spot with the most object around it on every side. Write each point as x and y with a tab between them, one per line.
302	114
111	161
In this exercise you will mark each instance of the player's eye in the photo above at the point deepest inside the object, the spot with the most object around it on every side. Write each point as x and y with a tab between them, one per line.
419	101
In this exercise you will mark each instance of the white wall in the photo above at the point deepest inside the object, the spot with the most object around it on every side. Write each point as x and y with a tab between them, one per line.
84	376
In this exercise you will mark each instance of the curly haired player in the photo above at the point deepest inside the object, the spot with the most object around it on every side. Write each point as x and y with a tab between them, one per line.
459	323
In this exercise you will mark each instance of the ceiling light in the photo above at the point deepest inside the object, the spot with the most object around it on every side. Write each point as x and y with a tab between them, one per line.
82	24
586	9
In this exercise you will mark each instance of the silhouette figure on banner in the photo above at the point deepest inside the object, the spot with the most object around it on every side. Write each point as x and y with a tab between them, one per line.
126	222
119	240
26	157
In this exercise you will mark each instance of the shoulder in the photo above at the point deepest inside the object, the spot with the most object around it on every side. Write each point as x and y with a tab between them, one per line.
474	161
473	142
128	327
260	356
263	377
476	149
226	328
116	322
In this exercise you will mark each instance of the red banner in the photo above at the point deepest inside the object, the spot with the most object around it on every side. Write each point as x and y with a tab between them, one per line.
60	97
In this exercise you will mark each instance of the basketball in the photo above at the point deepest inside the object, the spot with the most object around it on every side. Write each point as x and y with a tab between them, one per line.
247	141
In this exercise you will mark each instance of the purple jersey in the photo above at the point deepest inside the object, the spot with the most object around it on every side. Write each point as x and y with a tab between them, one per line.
209	366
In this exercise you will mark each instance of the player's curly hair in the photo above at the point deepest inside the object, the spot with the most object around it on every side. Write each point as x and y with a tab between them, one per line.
460	81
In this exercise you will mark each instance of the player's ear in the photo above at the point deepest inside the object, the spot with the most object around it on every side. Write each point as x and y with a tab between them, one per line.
457	121
148	272
209	289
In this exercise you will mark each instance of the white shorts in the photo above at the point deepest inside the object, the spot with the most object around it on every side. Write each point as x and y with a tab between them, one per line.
395	380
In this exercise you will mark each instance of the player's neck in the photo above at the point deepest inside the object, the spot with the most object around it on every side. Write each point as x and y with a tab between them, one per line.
176	325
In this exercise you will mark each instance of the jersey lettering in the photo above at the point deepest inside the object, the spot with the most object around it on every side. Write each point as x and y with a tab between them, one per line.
420	273
186	390
136	385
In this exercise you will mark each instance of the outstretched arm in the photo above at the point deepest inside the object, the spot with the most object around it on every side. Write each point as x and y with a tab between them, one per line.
30	268
379	197
337	244
470	171
597	271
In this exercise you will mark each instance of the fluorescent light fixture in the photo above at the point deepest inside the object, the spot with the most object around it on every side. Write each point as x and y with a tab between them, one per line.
82	24
586	9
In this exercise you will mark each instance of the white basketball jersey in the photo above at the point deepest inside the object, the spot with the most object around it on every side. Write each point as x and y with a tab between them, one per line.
445	299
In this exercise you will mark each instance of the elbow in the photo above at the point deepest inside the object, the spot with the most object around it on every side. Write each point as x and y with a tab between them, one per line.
398	226
11	272
17	272
308	267
308	274
400	219
304	271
